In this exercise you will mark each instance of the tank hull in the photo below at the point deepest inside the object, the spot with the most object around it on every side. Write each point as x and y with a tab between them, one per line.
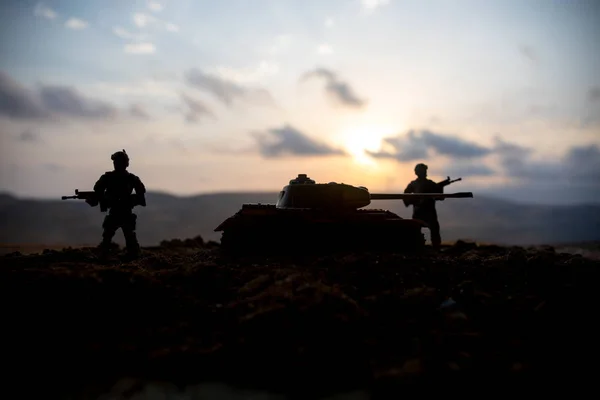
267	228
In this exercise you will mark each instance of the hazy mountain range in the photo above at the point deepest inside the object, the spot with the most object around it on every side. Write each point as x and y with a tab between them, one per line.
484	219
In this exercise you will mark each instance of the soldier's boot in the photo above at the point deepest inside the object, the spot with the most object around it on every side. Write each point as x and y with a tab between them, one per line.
106	244
109	230
131	242
436	239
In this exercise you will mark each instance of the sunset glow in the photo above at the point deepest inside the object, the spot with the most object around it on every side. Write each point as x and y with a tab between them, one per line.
239	95
362	138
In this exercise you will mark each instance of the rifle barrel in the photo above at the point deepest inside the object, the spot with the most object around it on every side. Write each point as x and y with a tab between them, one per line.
402	196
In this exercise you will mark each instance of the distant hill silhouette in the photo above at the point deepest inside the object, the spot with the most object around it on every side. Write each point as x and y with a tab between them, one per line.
483	219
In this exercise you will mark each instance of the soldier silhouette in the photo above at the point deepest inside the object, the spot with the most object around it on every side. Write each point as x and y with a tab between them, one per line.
425	209
116	187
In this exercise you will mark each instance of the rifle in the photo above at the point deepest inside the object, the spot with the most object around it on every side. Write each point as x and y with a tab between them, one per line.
92	199
441	184
447	181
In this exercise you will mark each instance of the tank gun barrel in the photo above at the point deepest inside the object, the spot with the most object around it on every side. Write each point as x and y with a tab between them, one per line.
420	196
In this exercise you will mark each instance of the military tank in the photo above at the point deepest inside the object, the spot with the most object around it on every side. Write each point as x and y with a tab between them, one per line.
311	216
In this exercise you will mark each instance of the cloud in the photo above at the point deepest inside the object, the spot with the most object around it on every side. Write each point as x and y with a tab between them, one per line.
63	100
17	102
453	146
456	170
140	44
142	20
76	24
593	95
290	141
329	23
509	151
225	90
144	88
125	34
591	114
155	6
579	164
418	145
324	49
53	167
513	157
246	75
196	109
340	91
529	53
136	110
28	136
42	11
403	150
371	5
122	32
282	44
48	102
583	163
140	48
171	27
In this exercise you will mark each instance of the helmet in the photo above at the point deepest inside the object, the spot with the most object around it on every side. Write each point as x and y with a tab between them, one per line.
120	156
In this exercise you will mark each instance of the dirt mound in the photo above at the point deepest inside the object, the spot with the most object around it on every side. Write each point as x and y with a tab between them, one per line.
185	314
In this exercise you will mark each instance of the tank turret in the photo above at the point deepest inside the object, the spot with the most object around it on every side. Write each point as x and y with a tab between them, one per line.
330	216
303	192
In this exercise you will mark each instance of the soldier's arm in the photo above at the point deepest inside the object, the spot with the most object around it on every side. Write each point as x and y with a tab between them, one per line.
437	188
140	190
409	189
100	185
138	186
440	188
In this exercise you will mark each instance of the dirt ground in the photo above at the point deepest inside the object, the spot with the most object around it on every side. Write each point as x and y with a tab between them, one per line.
372	324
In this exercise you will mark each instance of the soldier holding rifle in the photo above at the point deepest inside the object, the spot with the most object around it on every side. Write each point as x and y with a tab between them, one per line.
424	209
113	191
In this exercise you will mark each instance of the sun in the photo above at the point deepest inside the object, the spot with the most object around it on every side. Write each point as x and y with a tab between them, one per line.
362	138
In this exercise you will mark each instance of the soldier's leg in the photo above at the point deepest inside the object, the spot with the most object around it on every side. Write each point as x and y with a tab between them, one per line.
434	228
109	227
430	219
129	225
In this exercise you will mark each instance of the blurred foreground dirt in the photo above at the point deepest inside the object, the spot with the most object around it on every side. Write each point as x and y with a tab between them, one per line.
303	325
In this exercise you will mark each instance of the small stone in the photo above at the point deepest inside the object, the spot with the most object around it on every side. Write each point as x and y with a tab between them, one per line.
517	367
454	366
412	366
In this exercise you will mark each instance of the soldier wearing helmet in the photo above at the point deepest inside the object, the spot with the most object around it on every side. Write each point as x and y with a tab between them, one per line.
425	209
116	188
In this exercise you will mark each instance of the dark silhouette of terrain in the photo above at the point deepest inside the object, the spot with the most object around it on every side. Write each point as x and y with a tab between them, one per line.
482	218
471	316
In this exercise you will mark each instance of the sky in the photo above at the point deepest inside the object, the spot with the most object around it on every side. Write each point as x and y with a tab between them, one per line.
244	95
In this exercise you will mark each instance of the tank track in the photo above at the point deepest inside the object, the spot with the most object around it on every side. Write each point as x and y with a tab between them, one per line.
321	239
